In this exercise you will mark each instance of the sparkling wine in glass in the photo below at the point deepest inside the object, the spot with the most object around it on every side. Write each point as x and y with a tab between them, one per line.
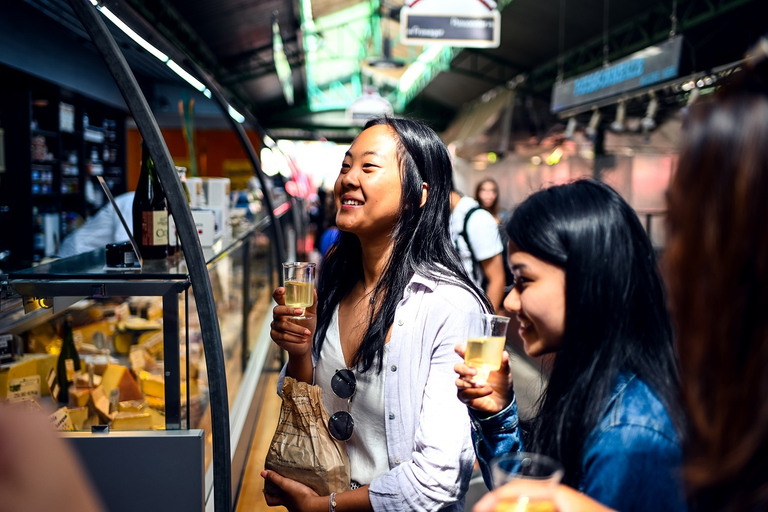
299	278
525	482
486	336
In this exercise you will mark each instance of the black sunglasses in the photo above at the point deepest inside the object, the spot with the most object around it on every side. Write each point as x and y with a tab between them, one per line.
341	425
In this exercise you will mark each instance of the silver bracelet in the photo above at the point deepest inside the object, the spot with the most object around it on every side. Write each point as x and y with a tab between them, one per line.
332	502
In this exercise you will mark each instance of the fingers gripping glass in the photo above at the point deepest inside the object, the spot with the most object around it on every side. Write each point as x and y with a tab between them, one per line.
341	425
299	279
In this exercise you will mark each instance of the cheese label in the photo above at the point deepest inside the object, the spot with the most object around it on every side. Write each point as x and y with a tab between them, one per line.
114	400
26	388
61	420
53	384
69	364
137	358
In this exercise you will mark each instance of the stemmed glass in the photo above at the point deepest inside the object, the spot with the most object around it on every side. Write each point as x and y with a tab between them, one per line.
299	279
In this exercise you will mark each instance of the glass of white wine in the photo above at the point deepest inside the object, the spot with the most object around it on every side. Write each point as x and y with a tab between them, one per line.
299	279
525	482
486	335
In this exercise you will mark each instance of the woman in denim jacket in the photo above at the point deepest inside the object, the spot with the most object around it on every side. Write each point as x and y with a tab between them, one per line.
588	292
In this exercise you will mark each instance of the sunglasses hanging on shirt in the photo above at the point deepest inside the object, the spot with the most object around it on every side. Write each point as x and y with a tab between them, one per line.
341	425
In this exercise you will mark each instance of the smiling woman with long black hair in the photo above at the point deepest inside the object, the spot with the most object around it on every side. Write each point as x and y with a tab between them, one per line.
392	300
587	290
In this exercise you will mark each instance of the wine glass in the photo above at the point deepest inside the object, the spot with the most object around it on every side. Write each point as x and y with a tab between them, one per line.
486	335
526	482
299	279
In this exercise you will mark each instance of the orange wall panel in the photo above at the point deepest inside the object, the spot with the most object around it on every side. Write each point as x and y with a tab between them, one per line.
213	147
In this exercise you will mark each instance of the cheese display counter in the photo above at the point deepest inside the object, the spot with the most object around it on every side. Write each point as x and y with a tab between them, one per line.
138	408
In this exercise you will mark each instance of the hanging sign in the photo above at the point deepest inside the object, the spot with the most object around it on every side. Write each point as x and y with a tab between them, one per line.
649	66
471	24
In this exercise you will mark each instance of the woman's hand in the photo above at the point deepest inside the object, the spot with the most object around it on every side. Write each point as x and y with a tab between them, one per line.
565	498
294	496
489	397
293	335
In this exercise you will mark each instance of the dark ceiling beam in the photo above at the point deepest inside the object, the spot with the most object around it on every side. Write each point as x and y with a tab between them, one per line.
481	66
649	28
261	65
175	28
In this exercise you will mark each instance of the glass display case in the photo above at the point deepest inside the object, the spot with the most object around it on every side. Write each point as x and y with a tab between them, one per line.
139	410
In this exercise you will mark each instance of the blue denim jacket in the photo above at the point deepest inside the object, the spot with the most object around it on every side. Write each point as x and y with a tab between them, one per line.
632	459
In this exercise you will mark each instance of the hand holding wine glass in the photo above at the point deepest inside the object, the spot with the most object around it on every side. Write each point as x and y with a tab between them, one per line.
295	316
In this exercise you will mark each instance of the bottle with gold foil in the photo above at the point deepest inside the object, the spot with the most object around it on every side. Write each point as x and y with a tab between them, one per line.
68	363
150	211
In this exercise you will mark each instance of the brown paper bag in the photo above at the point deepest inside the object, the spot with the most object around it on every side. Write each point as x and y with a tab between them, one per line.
302	449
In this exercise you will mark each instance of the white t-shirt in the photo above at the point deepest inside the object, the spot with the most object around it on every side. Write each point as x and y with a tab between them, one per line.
367	448
483	233
101	229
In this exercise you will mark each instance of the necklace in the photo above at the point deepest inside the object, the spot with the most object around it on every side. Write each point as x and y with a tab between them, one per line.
368	292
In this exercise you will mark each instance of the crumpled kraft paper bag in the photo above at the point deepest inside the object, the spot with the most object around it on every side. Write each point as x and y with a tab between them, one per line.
302	449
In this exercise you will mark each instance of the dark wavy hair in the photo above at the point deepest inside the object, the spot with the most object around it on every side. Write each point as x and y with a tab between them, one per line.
716	263
616	318
421	241
494	208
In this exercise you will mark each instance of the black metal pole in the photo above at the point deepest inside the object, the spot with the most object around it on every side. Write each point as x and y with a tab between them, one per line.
190	243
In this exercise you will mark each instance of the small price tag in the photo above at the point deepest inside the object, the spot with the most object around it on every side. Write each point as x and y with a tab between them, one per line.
53	385
6	347
61	420
26	388
114	400
77	337
137	358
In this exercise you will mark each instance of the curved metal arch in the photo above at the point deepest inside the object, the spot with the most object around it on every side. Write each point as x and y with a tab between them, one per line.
193	252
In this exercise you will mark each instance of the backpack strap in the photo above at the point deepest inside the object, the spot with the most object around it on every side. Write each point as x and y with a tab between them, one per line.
465	236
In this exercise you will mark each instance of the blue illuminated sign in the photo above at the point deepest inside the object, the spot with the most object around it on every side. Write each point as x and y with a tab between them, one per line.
641	69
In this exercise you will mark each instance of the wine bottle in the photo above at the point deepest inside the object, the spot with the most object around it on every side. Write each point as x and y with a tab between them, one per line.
150	211
68	363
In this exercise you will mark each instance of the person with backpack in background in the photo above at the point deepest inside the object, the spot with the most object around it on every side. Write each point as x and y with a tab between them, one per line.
477	239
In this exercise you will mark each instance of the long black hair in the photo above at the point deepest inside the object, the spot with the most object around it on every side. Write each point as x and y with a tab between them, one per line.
420	238
616	318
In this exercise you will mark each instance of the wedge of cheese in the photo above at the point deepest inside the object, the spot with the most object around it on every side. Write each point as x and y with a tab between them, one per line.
158	418
156	403
152	385
28	365
78	416
100	403
133	406
78	397
116	376
131	421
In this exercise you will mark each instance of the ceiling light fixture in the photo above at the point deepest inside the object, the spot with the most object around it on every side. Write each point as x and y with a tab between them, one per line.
621	114
648	122
594	122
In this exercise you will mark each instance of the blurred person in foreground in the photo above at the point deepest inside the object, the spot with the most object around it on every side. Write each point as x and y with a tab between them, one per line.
38	469
716	265
588	292
391	303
